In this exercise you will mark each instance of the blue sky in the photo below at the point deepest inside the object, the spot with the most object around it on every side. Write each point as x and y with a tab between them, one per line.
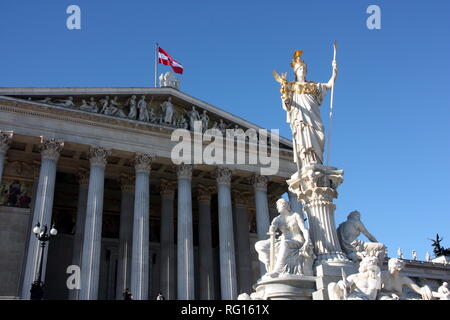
391	118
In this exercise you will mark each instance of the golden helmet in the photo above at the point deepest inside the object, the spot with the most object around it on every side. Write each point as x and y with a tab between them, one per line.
297	58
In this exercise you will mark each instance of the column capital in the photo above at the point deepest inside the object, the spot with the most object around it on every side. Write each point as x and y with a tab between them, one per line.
83	177
126	183
98	155
259	182
143	162
184	171
5	140
223	175
317	183
204	193
240	199
167	189
50	148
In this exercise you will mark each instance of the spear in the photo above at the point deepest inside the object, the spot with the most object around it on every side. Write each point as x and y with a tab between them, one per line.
331	108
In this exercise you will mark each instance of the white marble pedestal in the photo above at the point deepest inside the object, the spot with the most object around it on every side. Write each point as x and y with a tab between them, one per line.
327	273
288	287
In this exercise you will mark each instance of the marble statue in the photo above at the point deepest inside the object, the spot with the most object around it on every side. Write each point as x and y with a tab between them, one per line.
414	255
143	111
116	108
427	257
252	296
443	292
67	103
167	111
93	105
152	117
47	100
244	296
292	253
392	283
205	120
400	253
182	123
193	116
301	100
355	250
85	106
104	103
131	103
363	285
222	126
168	79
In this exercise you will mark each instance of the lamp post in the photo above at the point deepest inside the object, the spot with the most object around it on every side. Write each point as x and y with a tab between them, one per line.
37	291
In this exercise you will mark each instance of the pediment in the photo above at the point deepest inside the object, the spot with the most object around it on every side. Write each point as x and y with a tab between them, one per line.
119	102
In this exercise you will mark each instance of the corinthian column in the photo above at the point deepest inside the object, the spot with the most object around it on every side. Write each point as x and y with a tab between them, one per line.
5	141
125	234
226	237
50	149
141	227
262	210
243	262
316	189
205	243
90	264
83	180
167	279
185	246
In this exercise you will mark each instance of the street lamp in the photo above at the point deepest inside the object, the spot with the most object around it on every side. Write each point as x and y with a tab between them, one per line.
37	290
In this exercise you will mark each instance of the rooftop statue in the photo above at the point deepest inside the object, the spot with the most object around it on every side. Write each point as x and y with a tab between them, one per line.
400	253
168	79
301	100
292	253
438	249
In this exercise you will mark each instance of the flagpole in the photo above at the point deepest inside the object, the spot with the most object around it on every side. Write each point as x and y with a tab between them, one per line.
156	62
331	110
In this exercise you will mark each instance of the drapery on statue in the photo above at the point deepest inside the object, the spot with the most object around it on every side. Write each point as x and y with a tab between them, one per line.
348	232
301	99
292	253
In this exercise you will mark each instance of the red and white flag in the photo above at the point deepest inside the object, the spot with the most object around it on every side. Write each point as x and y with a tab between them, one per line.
166	59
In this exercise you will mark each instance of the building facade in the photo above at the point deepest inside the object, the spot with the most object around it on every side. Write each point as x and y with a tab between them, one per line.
126	214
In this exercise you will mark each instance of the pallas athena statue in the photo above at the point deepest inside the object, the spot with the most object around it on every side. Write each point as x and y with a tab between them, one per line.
301	99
